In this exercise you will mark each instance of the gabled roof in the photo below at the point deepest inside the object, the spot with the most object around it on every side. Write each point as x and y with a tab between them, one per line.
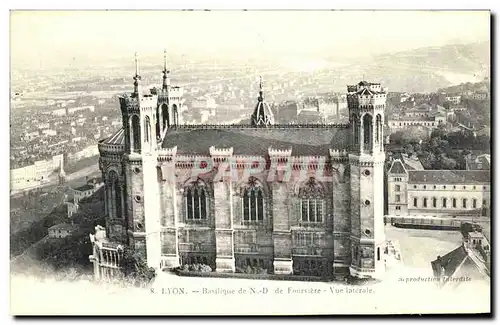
450	262
84	188
116	138
246	140
397	167
64	226
449	177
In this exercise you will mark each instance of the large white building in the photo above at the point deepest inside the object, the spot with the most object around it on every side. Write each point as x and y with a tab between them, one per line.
437	193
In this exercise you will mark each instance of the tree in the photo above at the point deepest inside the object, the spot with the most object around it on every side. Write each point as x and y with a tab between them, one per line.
135	267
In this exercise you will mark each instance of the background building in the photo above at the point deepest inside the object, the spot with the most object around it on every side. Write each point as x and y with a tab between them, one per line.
439	193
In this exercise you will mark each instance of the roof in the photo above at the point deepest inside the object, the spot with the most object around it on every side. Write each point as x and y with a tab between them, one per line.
449	262
397	167
245	140
449	177
116	138
84	188
63	226
420	108
411	163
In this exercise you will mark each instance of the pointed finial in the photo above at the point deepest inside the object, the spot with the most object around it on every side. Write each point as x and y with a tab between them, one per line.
165	60
137	77
261	97
136	65
166	80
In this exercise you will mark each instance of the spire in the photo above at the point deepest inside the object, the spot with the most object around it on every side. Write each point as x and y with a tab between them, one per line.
166	79
262	115
261	94
137	77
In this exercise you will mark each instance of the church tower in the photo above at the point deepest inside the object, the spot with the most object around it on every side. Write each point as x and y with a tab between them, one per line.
170	101
366	103
262	115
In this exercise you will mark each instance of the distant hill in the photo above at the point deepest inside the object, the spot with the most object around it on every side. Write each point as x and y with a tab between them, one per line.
425	69
482	86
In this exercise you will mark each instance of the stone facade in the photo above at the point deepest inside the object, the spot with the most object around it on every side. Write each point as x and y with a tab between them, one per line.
302	199
438	193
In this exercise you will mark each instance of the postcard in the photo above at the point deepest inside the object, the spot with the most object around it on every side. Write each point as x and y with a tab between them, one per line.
250	162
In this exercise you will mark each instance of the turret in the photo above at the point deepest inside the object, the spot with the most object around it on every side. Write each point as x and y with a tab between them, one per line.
262	115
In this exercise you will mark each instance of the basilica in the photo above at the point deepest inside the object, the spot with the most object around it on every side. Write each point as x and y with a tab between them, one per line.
289	199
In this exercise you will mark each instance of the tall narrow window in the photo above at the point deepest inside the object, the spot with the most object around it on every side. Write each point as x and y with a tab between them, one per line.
464	203
196	201
147	129
378	131
253	201
367	131
165	116
260	205
454	202
434	202
415	202
189	205
312	200
474	203
444	202
136	133
425	202
355	123
118	197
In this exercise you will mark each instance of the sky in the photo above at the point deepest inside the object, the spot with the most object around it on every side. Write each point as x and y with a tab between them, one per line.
55	36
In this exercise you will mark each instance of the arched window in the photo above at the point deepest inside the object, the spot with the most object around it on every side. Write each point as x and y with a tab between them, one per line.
464	203
355	125
118	197
114	195
454	202
367	131
136	133
415	202
147	129
444	202
378	131
253	201
434	202
196	201
175	114
474	203
165	116
425	202
312	199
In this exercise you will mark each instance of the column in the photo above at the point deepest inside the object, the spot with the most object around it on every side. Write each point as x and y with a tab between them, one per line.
282	235
169	213
224	240
151	210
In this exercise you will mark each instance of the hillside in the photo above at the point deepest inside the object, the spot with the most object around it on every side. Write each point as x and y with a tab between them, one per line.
483	86
425	69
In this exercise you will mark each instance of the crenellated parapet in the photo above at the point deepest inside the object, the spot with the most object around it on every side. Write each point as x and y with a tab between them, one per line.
166	154
310	163
248	162
128	104
279	153
220	154
339	154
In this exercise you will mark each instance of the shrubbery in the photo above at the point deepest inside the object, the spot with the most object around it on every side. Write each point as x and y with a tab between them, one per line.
195	268
251	270
135	269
